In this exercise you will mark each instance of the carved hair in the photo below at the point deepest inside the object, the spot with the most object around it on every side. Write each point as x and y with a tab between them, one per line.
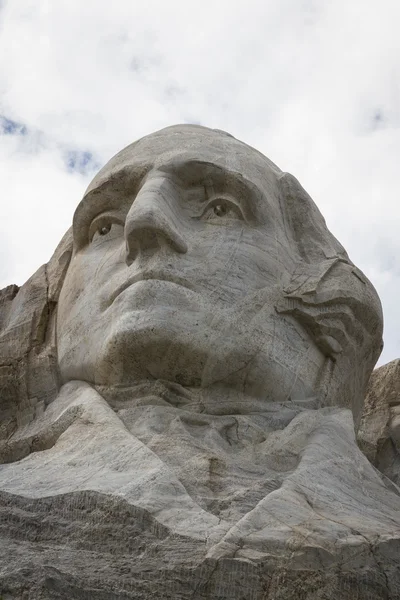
331	298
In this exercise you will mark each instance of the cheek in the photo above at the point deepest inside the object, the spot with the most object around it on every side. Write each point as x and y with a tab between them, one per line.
77	299
70	319
81	298
87	274
244	259
72	289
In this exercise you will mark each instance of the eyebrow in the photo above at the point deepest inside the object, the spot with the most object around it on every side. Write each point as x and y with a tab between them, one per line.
107	194
196	172
126	181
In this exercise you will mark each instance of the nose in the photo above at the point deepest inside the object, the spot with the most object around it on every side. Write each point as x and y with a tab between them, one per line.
154	219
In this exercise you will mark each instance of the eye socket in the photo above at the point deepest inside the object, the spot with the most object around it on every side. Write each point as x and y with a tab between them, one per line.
221	209
104	228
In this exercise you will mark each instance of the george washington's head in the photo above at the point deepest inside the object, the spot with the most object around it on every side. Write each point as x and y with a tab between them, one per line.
196	260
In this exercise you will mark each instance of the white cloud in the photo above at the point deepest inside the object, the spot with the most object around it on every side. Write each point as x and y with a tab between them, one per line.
314	85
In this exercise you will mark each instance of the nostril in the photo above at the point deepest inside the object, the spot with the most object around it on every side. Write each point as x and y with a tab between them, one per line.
146	239
151	229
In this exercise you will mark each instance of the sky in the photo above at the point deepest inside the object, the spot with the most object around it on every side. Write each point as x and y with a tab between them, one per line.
314	85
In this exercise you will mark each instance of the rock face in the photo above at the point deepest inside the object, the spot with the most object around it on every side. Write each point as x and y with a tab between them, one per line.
379	433
180	391
29	377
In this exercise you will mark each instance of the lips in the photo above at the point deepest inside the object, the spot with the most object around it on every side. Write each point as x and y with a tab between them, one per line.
149	276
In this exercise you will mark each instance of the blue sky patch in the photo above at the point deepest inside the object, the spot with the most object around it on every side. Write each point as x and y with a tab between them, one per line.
10	127
79	161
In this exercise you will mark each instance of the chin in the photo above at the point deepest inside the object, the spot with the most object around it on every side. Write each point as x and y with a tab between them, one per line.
158	344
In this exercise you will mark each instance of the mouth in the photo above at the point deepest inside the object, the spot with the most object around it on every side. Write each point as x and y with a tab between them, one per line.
150	276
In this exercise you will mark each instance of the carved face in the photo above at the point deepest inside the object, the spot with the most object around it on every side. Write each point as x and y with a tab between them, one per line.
180	256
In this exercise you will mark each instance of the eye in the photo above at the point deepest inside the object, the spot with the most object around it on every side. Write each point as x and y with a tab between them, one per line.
104	228
221	209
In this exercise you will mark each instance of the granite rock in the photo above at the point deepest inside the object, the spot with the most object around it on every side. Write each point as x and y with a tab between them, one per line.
379	432
181	387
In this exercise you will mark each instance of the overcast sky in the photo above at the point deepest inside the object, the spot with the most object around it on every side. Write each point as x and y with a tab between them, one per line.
314	85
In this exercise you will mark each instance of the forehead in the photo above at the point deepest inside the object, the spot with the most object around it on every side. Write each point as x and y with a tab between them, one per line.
186	146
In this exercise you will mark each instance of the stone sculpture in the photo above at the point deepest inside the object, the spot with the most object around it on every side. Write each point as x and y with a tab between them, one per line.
379	431
181	386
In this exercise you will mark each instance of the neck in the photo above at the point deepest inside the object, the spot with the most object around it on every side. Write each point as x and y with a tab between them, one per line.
219	441
213	400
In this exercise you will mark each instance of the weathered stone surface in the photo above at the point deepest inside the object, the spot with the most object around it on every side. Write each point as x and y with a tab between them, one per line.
181	385
379	433
29	377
